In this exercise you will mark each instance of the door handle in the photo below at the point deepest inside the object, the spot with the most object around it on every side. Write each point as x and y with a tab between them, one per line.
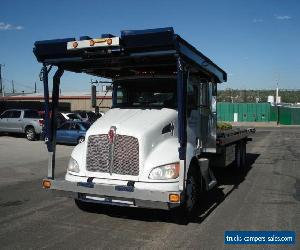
198	143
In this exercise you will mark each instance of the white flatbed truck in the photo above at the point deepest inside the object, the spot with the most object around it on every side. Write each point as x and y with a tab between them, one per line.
155	147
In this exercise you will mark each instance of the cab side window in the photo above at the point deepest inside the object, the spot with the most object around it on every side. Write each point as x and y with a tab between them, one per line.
75	126
6	114
192	98
66	126
204	97
16	114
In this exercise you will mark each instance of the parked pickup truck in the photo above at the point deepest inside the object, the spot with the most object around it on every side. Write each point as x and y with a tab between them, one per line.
25	121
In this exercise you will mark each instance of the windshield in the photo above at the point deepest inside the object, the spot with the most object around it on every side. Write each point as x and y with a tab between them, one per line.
145	93
85	125
73	116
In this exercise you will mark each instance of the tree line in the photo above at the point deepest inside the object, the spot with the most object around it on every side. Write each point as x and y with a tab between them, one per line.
237	95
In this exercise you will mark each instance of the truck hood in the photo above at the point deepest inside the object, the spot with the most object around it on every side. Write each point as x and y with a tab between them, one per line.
144	124
132	122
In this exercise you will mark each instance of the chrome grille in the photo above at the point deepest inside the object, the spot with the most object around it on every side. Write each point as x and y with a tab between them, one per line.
98	151
122	157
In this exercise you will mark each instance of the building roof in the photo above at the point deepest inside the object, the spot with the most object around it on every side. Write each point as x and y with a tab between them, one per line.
63	95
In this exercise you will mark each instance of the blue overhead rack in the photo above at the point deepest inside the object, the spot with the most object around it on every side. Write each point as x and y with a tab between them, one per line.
153	50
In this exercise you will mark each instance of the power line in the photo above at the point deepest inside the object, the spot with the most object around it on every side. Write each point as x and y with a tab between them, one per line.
26	85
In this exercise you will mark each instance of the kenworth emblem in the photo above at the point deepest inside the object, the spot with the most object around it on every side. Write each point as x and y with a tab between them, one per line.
111	135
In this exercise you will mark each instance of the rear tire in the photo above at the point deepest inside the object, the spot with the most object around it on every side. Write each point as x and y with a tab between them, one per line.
30	133
244	154
240	157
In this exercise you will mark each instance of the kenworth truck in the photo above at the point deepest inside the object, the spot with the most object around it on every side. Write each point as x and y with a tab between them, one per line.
156	146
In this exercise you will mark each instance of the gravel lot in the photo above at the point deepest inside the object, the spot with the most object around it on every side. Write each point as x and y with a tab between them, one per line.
267	198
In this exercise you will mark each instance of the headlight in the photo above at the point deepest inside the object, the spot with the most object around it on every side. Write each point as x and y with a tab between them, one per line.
73	165
169	171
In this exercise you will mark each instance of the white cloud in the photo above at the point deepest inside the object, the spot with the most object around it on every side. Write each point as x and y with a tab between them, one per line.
283	17
8	26
257	20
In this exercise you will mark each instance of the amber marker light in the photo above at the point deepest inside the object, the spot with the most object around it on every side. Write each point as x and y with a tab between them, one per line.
46	184
174	197
92	42
75	45
109	41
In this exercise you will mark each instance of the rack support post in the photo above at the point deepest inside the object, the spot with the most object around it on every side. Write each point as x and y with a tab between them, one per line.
55	98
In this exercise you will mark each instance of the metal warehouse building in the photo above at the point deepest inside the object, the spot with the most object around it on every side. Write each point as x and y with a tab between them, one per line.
76	100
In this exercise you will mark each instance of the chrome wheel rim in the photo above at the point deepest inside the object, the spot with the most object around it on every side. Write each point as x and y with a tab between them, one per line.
29	134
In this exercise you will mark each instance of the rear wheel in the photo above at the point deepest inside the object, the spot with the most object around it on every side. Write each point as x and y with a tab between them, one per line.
241	156
244	154
30	133
238	155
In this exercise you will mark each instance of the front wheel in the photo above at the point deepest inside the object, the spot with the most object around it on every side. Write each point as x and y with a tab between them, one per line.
82	205
189	206
30	134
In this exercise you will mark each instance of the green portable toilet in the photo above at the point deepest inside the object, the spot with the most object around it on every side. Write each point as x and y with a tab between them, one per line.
295	116
273	113
285	116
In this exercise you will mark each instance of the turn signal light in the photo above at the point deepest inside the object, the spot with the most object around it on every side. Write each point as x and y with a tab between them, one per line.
92	42
109	41
46	184
75	45
174	198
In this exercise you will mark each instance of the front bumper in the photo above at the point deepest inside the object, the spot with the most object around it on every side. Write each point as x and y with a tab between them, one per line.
122	195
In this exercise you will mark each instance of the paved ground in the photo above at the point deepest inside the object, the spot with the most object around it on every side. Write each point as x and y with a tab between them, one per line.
268	198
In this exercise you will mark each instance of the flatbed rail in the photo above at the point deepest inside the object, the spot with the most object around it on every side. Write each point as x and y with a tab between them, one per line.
228	136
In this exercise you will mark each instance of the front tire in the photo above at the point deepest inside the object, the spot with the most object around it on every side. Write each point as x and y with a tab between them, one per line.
190	204
82	205
30	134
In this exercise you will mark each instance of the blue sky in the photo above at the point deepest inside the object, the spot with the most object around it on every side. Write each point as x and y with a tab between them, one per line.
256	42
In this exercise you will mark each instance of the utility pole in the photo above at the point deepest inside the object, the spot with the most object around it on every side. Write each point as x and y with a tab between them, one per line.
34	87
1	84
12	86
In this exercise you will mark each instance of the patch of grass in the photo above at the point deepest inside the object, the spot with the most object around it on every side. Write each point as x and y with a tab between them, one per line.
223	126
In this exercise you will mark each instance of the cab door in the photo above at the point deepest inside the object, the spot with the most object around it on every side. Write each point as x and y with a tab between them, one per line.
62	133
74	133
15	121
4	121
